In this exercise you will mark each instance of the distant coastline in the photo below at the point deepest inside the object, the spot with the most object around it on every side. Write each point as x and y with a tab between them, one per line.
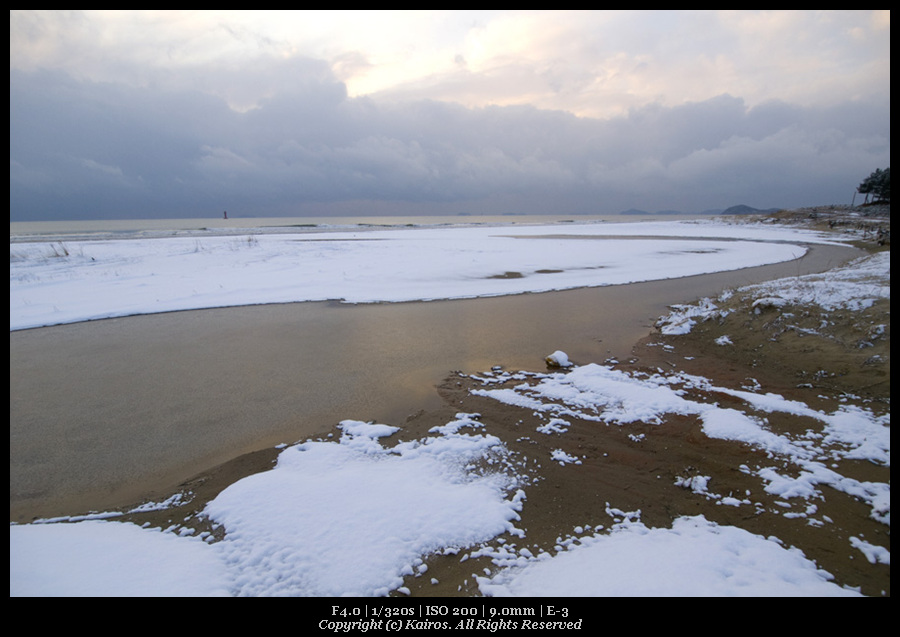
739	209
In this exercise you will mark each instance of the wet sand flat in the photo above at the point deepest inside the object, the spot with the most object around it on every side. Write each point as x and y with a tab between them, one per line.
113	411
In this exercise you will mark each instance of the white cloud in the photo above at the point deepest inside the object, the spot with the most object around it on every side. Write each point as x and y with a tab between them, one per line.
593	63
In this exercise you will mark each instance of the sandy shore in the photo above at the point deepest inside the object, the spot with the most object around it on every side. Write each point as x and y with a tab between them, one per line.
141	405
131	407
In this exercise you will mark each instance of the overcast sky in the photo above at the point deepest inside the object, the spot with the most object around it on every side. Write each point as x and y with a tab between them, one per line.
187	114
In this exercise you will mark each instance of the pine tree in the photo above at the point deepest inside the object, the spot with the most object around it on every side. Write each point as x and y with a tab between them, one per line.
878	184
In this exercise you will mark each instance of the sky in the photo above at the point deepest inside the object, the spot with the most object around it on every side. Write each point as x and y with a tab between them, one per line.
164	114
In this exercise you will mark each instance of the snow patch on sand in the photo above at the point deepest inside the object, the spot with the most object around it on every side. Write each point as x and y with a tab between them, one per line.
695	557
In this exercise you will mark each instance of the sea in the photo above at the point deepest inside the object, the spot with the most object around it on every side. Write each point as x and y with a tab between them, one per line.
73	230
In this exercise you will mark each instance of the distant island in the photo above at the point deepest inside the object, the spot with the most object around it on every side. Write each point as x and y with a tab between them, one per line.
747	210
733	210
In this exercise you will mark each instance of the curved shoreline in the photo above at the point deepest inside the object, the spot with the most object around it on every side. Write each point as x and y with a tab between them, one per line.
133	406
56	285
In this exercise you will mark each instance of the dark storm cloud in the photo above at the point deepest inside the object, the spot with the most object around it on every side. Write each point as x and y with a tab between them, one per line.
83	149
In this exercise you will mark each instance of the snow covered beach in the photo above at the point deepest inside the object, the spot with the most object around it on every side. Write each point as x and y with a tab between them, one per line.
460	471
61	282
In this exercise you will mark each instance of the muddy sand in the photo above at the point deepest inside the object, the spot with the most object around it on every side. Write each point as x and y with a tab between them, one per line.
134	421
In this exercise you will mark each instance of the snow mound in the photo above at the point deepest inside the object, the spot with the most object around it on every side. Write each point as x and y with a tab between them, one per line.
695	557
353	518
